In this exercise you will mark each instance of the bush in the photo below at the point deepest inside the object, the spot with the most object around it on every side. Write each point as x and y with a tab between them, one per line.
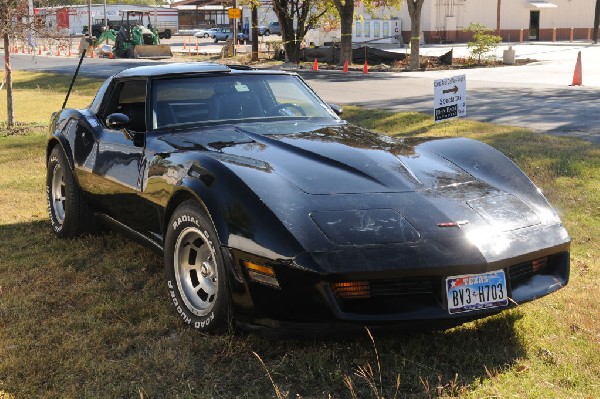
483	40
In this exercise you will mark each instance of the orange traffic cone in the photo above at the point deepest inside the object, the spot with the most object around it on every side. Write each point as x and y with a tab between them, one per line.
196	44
39	51
57	52
69	53
365	68
316	65
577	75
111	55
184	47
345	70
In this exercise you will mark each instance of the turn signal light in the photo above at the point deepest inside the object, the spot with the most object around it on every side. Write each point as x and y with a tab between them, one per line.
261	273
351	289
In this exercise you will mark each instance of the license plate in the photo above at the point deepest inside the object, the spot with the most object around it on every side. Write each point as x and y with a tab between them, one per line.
471	292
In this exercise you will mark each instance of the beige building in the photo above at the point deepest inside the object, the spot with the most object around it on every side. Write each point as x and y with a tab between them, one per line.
520	20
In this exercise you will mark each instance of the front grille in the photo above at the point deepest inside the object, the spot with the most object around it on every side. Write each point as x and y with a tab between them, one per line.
527	269
427	294
402	287
387	296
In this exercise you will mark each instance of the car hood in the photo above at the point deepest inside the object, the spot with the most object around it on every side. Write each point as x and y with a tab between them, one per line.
340	159
341	188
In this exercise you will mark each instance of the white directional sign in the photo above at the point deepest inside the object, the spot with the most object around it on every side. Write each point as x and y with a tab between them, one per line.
450	97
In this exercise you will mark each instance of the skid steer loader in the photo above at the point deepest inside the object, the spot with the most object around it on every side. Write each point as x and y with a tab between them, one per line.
134	40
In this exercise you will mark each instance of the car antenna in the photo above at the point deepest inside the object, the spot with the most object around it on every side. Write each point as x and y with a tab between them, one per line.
83	51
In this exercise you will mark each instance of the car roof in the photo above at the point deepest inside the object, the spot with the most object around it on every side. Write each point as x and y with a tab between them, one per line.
188	68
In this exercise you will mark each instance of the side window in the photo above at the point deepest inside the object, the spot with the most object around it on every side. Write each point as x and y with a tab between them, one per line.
129	98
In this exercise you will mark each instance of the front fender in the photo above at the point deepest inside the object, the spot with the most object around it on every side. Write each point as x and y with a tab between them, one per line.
242	221
486	163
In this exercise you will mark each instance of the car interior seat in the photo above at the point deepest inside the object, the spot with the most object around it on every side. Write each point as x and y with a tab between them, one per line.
236	105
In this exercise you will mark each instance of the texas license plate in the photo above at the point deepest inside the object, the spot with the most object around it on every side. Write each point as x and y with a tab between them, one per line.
471	292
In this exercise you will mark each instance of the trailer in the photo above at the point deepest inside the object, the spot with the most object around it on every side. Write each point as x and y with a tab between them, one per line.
73	20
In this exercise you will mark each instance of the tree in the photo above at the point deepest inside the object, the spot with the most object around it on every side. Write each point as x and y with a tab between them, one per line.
14	26
253	34
345	9
414	11
596	21
483	41
10	25
295	18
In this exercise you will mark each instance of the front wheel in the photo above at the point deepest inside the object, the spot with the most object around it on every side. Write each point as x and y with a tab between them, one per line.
68	212
195	271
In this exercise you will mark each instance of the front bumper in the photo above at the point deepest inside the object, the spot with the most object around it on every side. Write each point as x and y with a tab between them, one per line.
305	300
406	282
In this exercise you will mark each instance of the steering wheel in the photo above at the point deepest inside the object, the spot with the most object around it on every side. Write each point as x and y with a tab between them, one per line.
292	110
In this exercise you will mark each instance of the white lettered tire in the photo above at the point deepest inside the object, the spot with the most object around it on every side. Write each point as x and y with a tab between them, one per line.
196	277
67	210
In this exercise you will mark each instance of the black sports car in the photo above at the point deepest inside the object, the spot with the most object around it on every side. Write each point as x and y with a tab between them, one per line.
273	212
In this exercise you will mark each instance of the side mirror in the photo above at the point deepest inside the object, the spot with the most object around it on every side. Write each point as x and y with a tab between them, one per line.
117	121
336	108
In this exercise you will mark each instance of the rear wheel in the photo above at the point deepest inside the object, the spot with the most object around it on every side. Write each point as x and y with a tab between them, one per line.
194	269
69	214
167	34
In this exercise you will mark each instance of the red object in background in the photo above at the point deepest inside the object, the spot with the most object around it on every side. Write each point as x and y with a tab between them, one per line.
62	18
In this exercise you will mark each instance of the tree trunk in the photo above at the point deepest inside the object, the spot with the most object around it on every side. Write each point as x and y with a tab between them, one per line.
254	32
498	17
346	11
8	82
596	21
288	36
414	10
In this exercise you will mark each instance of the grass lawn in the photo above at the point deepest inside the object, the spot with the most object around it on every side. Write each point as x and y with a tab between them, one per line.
90	317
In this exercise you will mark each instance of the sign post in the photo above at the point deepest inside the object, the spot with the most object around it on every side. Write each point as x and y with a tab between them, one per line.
235	14
450	97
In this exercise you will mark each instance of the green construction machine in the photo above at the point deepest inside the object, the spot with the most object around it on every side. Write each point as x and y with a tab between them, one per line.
133	39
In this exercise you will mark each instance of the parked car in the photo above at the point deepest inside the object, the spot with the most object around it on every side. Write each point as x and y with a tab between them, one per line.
205	33
264	30
222	34
274	27
271	211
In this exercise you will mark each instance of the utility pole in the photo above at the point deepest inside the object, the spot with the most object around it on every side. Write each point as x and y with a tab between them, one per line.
89	18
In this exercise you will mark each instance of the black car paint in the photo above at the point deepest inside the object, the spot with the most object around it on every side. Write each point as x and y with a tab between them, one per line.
263	185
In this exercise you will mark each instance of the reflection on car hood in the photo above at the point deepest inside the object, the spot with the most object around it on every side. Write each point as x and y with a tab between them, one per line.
339	159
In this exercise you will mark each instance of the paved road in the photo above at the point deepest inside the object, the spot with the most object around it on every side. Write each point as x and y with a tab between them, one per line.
536	95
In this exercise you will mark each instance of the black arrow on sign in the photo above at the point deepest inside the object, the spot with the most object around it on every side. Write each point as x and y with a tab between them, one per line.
452	90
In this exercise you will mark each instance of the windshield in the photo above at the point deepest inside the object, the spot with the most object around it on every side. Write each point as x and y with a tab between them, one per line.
192	100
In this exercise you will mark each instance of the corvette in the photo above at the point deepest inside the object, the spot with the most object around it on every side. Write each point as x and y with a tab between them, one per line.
272	212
